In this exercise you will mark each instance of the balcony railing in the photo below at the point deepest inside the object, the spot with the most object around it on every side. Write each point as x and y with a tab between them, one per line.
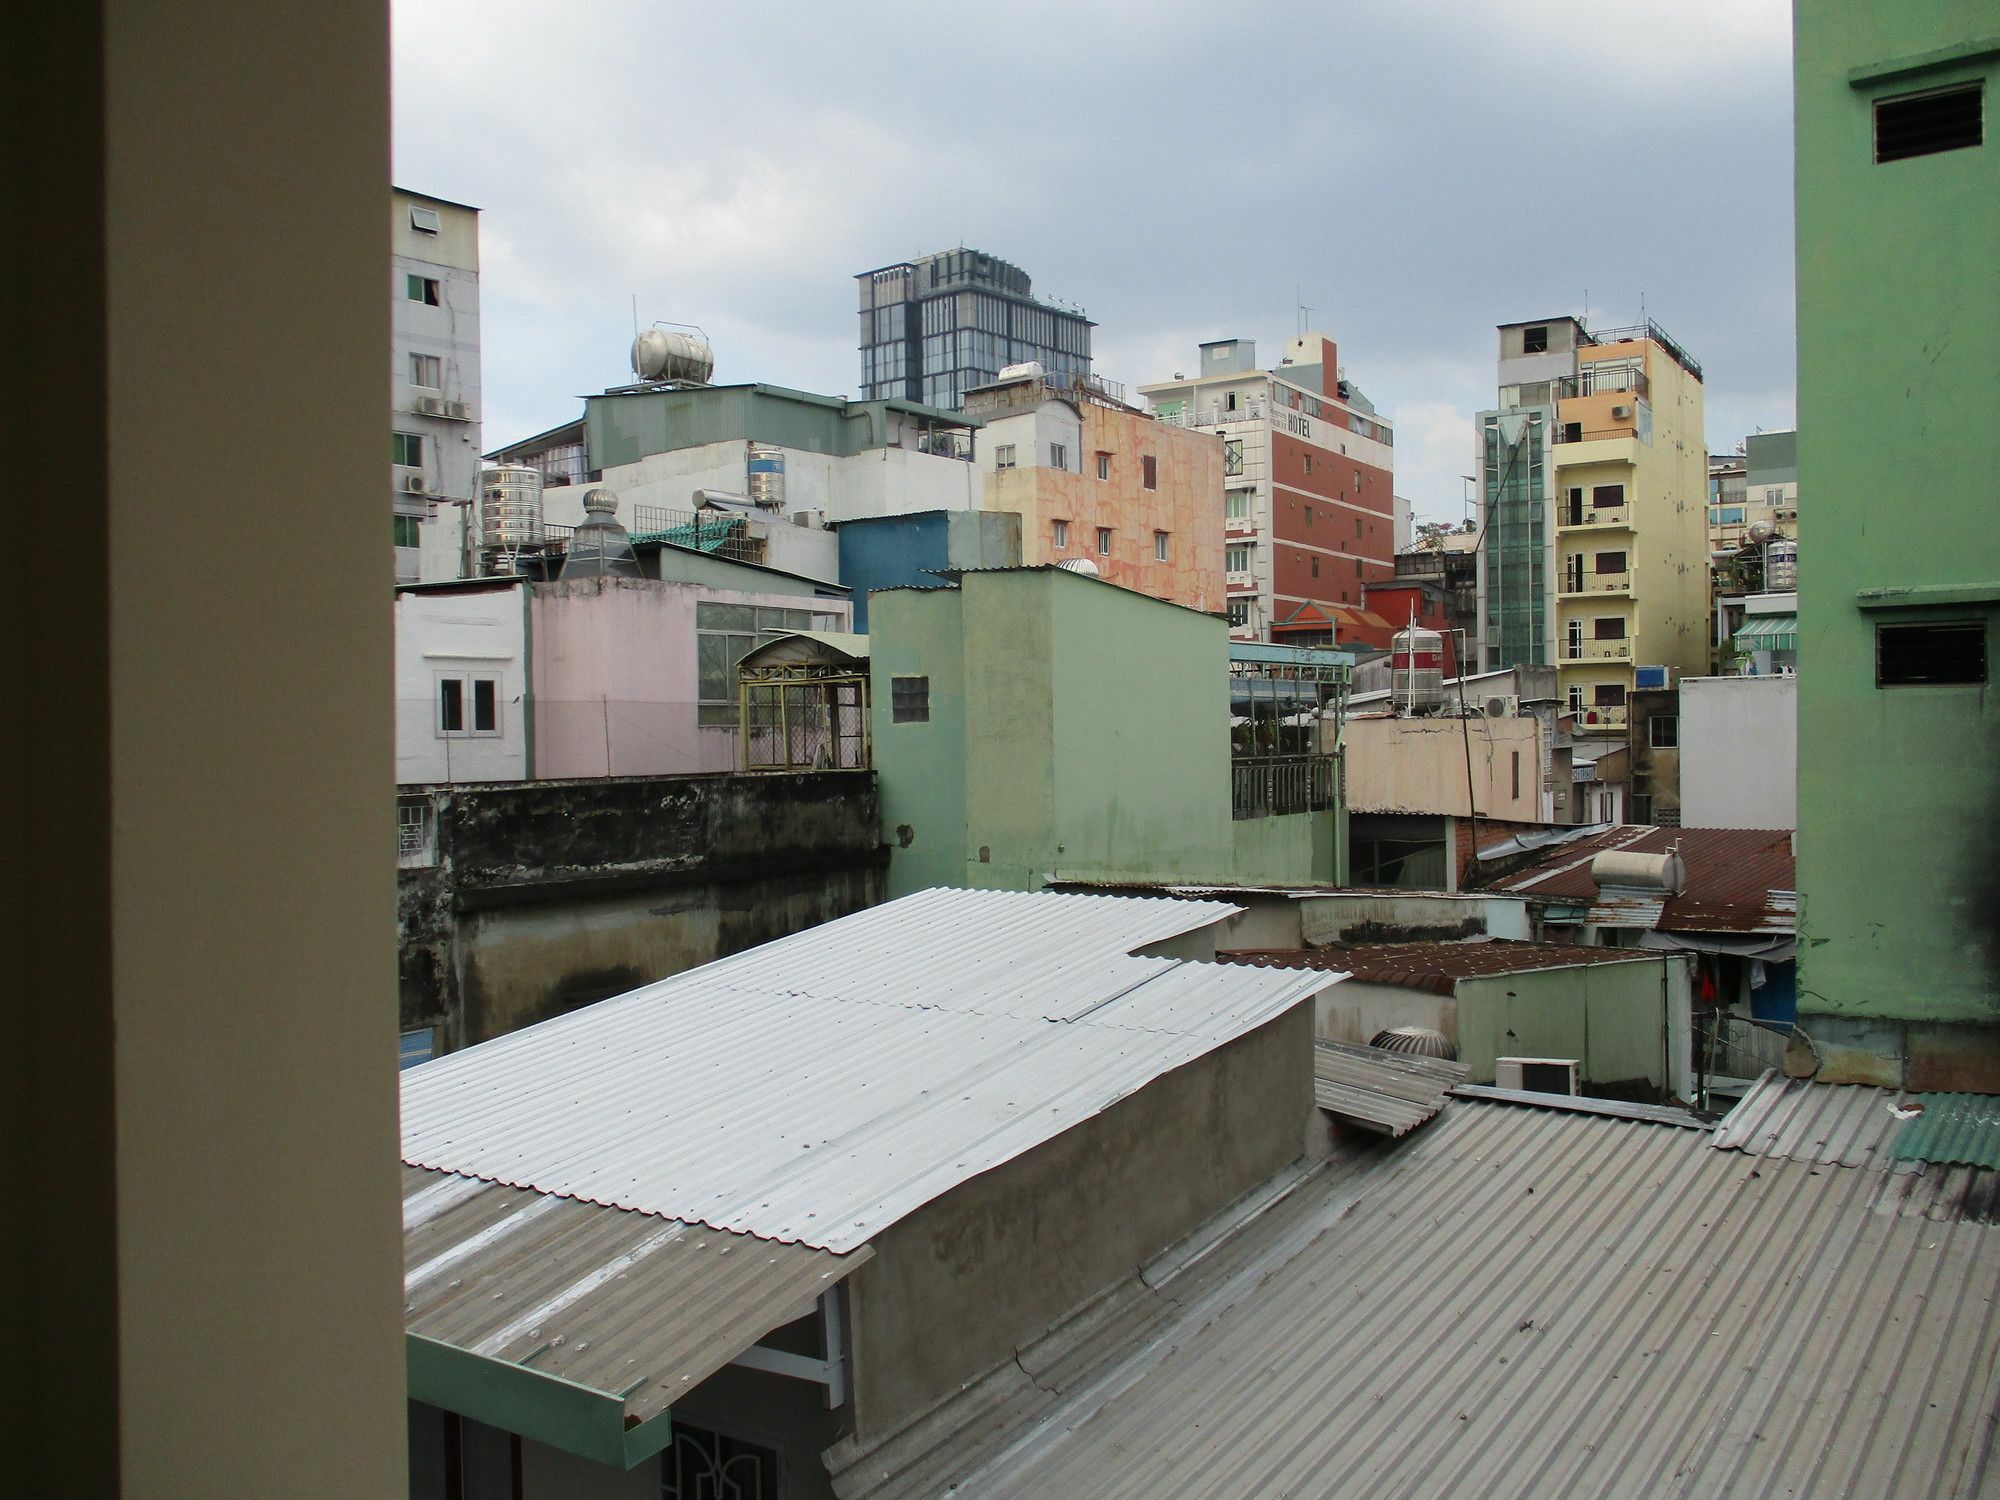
1215	416
1600	716
721	533
1597	650
1270	786
1598	583
1592	516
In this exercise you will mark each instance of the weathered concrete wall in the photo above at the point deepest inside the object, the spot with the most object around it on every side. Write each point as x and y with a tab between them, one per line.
549	895
959	1286
1739	765
1292	849
1363	917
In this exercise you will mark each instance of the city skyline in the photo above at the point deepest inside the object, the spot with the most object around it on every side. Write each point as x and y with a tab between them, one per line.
1179	181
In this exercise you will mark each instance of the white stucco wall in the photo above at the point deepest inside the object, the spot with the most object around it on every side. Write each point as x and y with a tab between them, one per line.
469	633
880	482
1739	752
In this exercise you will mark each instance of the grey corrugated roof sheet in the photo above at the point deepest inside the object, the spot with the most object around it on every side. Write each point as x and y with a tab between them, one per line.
626	1304
817	1089
1517	1302
1800	1120
1388	1092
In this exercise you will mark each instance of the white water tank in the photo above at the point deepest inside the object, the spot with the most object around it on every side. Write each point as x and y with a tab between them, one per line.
1781	565
1639	872
1416	669
1027	370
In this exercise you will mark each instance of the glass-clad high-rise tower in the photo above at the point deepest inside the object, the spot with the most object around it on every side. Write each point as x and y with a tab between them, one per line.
935	327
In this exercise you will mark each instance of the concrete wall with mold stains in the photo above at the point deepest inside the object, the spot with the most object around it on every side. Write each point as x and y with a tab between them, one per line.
550	895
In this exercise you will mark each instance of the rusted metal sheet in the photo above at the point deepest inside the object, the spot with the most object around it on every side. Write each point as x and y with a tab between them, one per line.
1738	879
1437	967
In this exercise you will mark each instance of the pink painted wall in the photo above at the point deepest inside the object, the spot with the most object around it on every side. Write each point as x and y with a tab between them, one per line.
614	677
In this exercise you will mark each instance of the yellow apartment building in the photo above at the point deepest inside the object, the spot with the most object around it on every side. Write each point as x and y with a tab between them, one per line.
1631	538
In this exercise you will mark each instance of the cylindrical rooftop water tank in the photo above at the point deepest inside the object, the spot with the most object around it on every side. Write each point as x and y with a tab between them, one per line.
1639	872
1416	668
510	508
669	354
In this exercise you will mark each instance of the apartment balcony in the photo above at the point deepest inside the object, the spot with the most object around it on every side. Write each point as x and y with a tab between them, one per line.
1600	716
1216	415
1596	583
1597	650
1590	519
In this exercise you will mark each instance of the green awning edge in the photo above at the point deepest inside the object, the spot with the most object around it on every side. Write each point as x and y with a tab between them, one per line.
547	1408
1971	50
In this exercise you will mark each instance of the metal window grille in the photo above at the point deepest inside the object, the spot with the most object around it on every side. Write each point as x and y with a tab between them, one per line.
910	700
702	1465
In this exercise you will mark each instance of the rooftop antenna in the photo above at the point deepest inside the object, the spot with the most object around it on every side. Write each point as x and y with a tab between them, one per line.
1298	300
635	317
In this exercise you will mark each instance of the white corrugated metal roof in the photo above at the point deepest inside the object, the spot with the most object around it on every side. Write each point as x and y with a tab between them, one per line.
1518	1302
1800	1120
817	1089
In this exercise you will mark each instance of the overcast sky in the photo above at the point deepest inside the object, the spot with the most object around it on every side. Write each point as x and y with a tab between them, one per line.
1414	172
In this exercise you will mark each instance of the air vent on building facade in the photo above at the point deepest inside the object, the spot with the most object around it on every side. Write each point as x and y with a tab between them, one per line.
1949	651
1948	119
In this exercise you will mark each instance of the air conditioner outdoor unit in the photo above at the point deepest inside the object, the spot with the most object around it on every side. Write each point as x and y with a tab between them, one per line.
1621	411
415	484
1502	707
429	406
458	411
1537	1075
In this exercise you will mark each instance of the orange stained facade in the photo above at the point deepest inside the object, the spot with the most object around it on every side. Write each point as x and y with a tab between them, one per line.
1594	411
1119	522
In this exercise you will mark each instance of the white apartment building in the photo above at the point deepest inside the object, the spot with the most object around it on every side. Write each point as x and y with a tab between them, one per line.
433	381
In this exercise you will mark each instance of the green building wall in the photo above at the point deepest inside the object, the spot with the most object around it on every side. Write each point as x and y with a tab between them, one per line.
1076	730
1899	387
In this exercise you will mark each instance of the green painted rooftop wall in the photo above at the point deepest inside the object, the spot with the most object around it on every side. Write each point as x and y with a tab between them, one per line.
1899	386
1076	729
622	429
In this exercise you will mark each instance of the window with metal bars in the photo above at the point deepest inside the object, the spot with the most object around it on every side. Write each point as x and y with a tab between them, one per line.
1946	119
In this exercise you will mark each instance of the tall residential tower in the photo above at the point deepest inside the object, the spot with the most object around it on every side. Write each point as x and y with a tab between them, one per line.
1593	481
1309	511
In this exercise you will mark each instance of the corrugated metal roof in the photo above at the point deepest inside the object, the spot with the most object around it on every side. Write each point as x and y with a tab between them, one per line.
1388	1092
1960	1129
817	1089
1799	1120
1519	1302
623	1303
1435	967
1738	879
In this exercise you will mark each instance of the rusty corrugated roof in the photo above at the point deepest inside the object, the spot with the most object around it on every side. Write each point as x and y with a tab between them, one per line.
1435	967
1738	879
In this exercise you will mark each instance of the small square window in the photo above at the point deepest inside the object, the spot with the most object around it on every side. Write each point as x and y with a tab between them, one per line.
468	705
1572	432
427	371
910	700
1950	652
1149	472
408	531
425	289
1104	541
1059	534
1663	731
407	450
1003	456
1535	340
1159	546
1058	456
